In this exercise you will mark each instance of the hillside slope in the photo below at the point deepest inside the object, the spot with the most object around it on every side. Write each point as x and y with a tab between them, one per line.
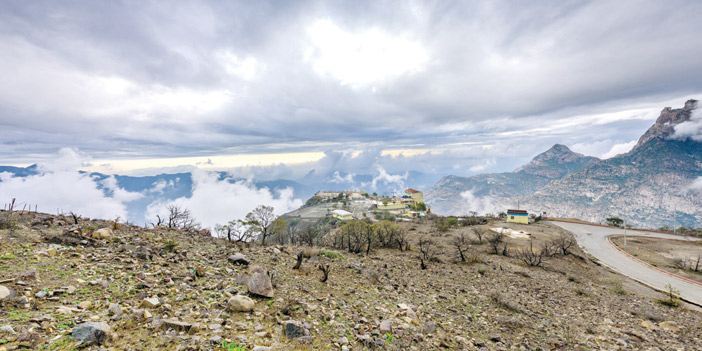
157	289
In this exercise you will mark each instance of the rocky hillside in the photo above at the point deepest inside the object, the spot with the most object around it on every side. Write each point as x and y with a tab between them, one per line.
64	285
445	196
643	186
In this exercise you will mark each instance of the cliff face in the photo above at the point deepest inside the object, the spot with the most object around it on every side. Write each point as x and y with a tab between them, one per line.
644	186
445	196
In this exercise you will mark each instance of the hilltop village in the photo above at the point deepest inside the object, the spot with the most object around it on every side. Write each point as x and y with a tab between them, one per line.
358	204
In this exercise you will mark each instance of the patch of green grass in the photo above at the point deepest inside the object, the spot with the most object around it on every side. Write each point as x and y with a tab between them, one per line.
331	254
7	256
232	347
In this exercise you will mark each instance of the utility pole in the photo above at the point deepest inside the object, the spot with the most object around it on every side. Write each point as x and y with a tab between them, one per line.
624	235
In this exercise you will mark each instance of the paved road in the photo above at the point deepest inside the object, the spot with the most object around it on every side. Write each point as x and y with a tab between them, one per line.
594	240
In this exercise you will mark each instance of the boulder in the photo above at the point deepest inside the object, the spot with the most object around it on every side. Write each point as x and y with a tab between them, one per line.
5	293
238	258
103	233
240	303
260	284
114	310
92	333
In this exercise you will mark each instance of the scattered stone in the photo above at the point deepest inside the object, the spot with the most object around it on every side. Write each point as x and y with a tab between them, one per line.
669	326
240	303
429	327
114	310
85	304
6	329
650	326
150	302
294	330
92	333
175	325
385	327
238	258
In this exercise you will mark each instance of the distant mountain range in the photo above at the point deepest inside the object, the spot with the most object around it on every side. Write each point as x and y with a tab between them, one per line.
649	186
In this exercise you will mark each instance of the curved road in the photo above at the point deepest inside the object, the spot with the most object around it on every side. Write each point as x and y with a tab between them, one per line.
594	240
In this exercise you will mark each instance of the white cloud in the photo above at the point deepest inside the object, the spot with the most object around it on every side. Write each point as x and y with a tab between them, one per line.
61	188
338	179
483	166
696	184
388	179
247	69
217	201
690	129
472	203
619	149
362	58
161	185
117	193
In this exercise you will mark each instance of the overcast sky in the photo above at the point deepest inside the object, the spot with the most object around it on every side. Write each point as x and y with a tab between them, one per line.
454	87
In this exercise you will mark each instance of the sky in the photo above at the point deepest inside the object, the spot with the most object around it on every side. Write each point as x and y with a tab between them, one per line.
271	89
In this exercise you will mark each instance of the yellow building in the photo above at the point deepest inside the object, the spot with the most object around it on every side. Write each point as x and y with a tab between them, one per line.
518	216
415	195
342	215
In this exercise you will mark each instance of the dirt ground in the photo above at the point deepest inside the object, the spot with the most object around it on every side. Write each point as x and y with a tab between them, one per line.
675	256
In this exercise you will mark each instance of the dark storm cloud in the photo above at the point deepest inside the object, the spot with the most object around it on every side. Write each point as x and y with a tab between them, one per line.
163	79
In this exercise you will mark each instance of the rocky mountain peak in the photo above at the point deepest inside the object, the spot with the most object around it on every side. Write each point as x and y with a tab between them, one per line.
666	122
555	162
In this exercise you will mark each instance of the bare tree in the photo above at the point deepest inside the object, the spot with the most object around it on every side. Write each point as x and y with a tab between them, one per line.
462	245
564	242
325	270
260	220
480	233
529	255
235	230
426	247
180	218
495	240
75	217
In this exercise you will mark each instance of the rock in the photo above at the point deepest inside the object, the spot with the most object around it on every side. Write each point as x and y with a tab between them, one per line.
200	271
260	284
114	310
385	327
261	348
92	333
650	326
150	302
238	258
102	233
294	330
429	327
343	340
5	293
85	304
175	325
41	294
669	326
240	303
6	329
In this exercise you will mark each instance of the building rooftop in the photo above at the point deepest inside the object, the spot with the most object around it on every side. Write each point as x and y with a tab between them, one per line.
413	191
